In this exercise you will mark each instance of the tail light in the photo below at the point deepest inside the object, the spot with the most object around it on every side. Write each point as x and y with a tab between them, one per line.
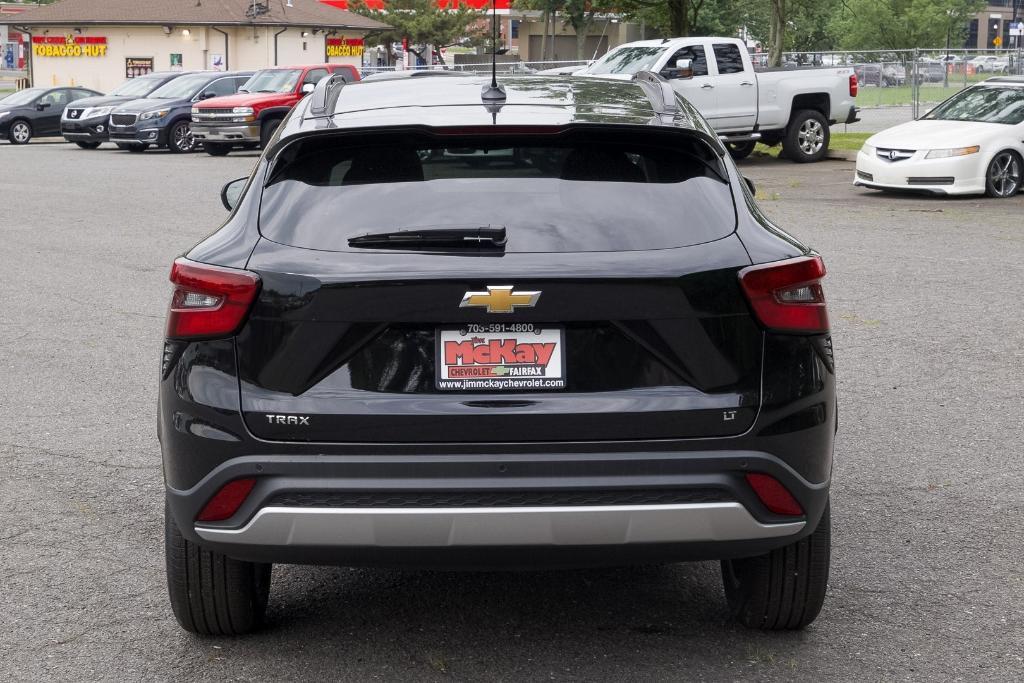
226	502
853	85
209	301
774	495
786	295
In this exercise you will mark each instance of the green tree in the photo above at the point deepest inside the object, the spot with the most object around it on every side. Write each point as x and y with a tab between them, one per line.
421	22
902	24
674	18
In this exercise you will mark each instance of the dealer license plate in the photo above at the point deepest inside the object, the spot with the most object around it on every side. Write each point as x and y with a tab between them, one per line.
500	357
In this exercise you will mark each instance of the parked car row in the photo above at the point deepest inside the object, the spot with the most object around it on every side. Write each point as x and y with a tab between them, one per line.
175	110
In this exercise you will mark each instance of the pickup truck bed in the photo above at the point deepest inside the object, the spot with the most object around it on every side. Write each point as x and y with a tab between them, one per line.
792	107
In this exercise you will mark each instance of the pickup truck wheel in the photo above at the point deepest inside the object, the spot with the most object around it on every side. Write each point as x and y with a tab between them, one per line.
267	131
806	137
212	594
740	150
216	149
783	589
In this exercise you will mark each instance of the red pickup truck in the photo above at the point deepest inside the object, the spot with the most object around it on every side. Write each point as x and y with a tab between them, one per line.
250	117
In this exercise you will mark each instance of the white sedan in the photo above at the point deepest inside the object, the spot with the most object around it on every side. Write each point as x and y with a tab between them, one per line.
973	143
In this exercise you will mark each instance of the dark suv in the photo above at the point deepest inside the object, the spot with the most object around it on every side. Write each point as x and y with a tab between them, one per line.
164	117
454	325
85	123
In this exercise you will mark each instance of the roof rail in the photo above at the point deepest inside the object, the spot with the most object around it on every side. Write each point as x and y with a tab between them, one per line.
659	92
325	94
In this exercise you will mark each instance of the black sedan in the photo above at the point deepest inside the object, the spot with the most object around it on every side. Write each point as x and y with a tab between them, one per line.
36	111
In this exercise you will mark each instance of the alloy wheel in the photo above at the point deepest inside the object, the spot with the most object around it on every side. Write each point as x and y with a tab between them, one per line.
21	132
1004	174
811	136
183	139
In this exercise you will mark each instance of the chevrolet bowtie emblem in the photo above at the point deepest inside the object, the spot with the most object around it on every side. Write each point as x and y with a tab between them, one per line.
501	299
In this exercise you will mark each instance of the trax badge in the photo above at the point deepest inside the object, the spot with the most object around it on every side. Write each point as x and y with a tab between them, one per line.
500	299
288	420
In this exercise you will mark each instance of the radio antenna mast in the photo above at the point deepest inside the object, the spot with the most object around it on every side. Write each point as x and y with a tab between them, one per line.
494	91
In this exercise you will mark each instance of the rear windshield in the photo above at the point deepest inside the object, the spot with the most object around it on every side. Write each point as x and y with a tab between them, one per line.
560	194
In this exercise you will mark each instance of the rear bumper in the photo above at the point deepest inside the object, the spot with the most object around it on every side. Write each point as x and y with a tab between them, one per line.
481	511
512	526
239	133
853	116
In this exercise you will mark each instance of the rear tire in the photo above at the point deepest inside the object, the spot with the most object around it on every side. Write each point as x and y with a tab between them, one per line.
212	594
807	137
740	150
267	131
216	149
784	589
88	145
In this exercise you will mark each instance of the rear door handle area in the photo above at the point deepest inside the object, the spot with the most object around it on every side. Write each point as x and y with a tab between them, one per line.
707	86
746	83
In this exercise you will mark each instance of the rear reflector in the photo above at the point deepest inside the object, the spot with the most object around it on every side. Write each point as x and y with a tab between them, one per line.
208	301
853	85
226	502
774	495
786	295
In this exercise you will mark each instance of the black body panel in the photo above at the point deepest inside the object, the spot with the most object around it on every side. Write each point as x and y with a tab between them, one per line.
662	346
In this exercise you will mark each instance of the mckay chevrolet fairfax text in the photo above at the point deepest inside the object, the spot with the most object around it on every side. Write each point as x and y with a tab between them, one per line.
455	324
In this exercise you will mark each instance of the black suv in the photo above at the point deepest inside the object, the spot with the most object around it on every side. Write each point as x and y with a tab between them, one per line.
85	123
164	117
454	325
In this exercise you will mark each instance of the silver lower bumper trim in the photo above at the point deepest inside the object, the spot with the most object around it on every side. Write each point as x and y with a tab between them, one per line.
510	526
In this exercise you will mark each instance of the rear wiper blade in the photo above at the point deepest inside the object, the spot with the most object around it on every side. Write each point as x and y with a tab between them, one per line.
487	237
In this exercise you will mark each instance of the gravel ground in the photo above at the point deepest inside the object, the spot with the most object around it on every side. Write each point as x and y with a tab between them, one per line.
928	507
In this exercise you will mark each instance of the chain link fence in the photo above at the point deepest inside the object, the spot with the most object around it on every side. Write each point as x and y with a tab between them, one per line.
915	79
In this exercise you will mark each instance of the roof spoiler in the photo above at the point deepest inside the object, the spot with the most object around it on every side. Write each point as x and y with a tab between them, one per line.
659	91
325	94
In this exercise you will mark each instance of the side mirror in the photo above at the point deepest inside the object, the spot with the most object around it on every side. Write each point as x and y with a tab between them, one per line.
750	185
42	105
232	192
685	68
207	95
308	88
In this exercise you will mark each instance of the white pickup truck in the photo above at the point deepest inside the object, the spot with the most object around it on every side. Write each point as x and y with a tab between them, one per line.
794	107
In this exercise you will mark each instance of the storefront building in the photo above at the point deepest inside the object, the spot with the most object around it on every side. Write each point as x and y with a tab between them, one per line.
99	43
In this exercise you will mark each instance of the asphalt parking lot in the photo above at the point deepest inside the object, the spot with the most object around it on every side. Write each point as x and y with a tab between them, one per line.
928	495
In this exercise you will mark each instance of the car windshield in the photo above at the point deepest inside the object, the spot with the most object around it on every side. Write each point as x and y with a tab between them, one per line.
136	87
22	96
181	87
627	60
272	80
582	192
988	104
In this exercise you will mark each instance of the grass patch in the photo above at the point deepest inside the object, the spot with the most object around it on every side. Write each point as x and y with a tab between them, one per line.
849	142
840	142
